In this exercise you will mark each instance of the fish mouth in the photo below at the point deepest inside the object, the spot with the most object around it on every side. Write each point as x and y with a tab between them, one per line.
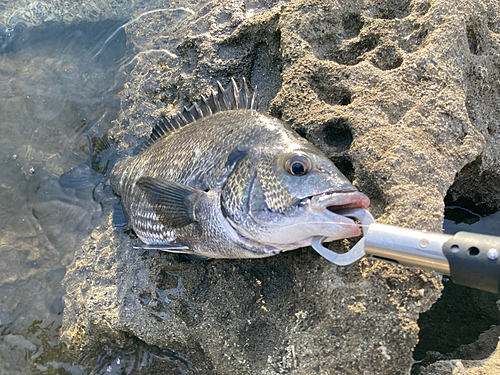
331	205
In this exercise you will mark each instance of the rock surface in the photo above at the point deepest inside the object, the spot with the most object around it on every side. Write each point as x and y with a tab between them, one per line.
475	363
402	95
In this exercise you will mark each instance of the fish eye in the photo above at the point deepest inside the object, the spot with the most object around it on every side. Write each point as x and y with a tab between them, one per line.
297	165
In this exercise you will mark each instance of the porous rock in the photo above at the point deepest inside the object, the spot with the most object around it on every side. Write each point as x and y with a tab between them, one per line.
402	95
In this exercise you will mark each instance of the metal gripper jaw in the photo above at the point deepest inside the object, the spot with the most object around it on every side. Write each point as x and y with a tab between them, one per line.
358	251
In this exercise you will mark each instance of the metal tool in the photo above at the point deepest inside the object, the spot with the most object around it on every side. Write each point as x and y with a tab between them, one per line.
470	259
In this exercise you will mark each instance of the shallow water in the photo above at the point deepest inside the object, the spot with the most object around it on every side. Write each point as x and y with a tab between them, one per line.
54	84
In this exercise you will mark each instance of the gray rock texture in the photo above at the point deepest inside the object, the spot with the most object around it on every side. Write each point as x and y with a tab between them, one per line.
402	95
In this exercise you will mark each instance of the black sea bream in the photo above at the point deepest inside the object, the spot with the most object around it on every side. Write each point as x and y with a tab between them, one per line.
221	180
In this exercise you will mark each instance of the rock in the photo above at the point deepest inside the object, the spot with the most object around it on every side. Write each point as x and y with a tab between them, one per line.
481	357
401	95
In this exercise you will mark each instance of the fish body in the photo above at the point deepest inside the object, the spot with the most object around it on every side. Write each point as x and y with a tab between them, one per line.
221	180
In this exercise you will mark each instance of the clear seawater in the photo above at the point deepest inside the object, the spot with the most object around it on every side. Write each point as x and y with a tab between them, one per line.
55	81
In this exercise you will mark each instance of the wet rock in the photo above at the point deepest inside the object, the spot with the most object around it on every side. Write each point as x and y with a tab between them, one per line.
401	95
291	312
481	357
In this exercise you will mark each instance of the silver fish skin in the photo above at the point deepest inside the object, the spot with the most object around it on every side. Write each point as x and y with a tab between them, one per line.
234	184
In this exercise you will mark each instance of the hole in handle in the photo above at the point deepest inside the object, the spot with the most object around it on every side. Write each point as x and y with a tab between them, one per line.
473	251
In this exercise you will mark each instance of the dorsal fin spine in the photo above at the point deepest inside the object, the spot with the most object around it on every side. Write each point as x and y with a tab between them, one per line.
183	120
155	133
179	120
164	125
194	111
205	108
198	110
244	95
170	125
254	101
174	125
235	95
215	103
221	99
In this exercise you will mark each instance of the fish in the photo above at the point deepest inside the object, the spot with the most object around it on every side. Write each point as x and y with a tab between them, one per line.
222	180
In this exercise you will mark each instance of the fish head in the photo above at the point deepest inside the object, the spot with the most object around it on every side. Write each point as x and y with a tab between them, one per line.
293	195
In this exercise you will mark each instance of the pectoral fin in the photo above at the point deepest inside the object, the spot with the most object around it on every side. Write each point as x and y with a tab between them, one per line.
172	202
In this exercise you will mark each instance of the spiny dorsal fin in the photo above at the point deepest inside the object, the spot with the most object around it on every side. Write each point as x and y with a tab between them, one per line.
224	99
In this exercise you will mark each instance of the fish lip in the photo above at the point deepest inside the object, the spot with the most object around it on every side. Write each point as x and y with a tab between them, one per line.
338	200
